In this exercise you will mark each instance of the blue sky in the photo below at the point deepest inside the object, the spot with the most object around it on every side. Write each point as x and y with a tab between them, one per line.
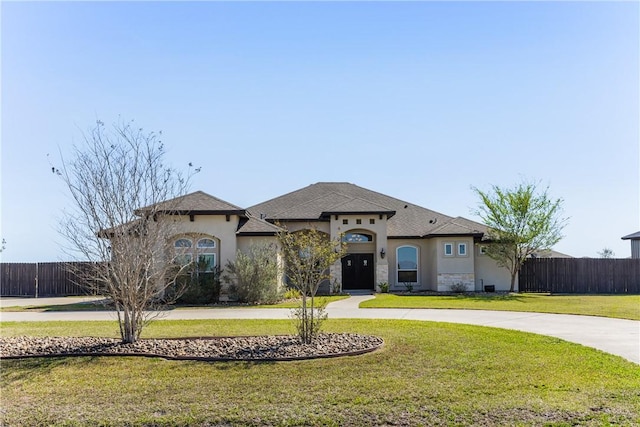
417	100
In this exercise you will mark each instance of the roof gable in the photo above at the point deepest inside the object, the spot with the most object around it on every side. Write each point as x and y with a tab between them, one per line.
259	227
197	202
309	203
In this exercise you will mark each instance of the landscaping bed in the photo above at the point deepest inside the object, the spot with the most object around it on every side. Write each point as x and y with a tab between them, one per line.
251	348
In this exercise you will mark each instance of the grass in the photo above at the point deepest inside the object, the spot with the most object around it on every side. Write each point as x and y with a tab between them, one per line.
98	306
619	306
426	374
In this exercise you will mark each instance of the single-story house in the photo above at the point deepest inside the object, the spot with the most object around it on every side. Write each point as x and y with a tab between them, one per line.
389	240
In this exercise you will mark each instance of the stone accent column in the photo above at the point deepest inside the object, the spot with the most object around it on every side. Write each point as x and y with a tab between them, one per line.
335	271
382	274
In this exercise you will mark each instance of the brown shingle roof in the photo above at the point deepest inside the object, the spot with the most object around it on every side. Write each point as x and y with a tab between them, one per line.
197	202
309	203
257	227
459	225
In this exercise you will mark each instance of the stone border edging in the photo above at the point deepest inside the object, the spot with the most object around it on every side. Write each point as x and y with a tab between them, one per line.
357	352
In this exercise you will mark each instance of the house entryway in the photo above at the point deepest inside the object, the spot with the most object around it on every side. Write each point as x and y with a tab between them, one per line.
358	271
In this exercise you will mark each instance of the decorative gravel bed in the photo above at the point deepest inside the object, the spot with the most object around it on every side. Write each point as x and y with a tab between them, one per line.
258	348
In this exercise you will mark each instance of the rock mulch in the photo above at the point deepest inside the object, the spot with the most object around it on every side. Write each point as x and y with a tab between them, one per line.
255	348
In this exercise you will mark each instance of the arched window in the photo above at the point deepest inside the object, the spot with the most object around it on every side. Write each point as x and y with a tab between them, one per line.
407	260
206	254
357	238
183	250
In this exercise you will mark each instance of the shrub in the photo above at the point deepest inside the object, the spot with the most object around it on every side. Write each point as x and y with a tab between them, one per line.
200	287
292	293
458	288
253	276
408	286
384	287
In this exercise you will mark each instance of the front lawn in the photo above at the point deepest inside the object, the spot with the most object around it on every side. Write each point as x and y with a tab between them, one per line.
619	306
427	373
101	306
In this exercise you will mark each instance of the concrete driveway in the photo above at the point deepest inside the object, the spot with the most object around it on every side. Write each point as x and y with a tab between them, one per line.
616	336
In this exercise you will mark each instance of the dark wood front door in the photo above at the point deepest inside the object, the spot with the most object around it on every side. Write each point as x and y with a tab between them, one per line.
357	271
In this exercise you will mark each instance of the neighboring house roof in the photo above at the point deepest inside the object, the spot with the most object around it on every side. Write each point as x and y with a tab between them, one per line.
551	254
196	203
632	236
315	202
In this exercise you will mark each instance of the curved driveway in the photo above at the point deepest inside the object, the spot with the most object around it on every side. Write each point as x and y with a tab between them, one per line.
616	336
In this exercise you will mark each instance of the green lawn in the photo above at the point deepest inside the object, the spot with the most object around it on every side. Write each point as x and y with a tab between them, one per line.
620	306
426	374
98	306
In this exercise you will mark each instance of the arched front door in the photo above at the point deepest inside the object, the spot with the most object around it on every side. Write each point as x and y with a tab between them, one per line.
357	271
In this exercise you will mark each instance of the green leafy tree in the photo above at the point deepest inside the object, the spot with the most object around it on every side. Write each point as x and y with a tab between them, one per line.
308	254
522	221
253	275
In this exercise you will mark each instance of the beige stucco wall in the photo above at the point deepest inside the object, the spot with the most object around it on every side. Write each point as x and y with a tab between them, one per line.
245	242
455	269
293	226
216	226
489	273
379	231
425	274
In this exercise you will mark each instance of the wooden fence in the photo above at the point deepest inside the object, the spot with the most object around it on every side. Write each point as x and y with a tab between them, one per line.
43	279
580	276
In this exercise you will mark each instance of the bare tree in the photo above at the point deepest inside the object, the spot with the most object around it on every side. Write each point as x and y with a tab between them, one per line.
521	221
308	254
123	197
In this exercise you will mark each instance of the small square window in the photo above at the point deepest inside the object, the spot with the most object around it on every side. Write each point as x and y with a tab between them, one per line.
345	221
448	249
372	221
483	250
358	221
462	249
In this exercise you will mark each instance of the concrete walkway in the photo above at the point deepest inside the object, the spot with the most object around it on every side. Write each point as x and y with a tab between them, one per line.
616	336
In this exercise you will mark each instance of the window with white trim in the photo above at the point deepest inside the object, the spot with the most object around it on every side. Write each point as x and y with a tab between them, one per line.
206	251
448	249
203	252
407	261
183	251
462	249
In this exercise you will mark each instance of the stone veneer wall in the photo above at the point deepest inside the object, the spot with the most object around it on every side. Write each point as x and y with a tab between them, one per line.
382	275
445	280
335	271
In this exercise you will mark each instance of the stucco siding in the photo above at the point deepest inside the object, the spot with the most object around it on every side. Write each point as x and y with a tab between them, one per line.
424	274
369	224
216	226
489	273
456	267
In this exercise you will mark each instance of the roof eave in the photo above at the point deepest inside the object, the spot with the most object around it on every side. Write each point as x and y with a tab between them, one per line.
389	214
